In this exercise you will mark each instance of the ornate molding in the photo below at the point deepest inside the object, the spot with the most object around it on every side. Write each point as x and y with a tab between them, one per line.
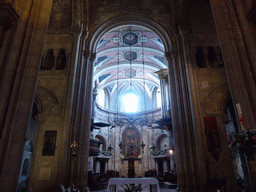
162	74
86	54
8	16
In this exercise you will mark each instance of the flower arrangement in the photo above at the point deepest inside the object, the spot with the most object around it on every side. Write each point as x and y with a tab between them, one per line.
69	189
244	139
132	187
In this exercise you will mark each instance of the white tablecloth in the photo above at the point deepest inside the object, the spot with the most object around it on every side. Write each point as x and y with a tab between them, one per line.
143	181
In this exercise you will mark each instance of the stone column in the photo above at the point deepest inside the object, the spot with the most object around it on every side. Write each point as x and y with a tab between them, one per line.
91	163
192	112
97	170
19	83
237	46
171	59
85	121
66	165
162	74
181	116
165	166
8	21
235	41
76	116
106	166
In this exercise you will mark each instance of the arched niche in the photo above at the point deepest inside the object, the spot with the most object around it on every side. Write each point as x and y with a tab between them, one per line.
162	142
102	142
213	103
46	101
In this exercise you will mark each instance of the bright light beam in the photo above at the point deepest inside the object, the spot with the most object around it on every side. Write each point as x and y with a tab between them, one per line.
130	103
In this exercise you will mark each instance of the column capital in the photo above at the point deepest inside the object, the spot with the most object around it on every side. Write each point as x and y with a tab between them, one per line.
162	74
92	57
89	55
172	54
168	56
86	54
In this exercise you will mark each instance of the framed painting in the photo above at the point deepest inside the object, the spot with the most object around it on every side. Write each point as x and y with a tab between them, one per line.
49	143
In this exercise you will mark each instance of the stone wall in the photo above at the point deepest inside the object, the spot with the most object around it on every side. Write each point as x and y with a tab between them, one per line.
52	89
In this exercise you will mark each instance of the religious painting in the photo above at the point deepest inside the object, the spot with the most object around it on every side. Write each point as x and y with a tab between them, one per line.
212	136
131	141
130	55
130	38
49	143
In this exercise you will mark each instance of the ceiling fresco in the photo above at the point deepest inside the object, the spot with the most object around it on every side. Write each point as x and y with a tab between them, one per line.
127	58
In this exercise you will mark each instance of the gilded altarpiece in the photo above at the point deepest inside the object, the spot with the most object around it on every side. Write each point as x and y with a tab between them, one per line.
131	141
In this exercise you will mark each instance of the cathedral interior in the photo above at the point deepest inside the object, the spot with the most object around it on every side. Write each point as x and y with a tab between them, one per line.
98	89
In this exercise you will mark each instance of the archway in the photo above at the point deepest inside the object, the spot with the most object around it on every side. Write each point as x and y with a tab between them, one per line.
113	37
129	20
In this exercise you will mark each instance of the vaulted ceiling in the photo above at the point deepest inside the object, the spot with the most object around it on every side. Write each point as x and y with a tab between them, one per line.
127	58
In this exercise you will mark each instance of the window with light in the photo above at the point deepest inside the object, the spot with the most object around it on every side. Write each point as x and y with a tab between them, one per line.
101	98
158	98
130	103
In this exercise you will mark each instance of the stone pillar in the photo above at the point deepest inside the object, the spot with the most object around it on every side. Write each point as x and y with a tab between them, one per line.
85	121
8	19
236	40
157	167
165	165
163	76
75	99
97	169
181	116
171	59
172	163
5	50
19	83
163	98
238	48
91	161
106	166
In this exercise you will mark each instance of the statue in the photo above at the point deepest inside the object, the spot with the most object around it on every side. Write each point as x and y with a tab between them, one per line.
49	59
